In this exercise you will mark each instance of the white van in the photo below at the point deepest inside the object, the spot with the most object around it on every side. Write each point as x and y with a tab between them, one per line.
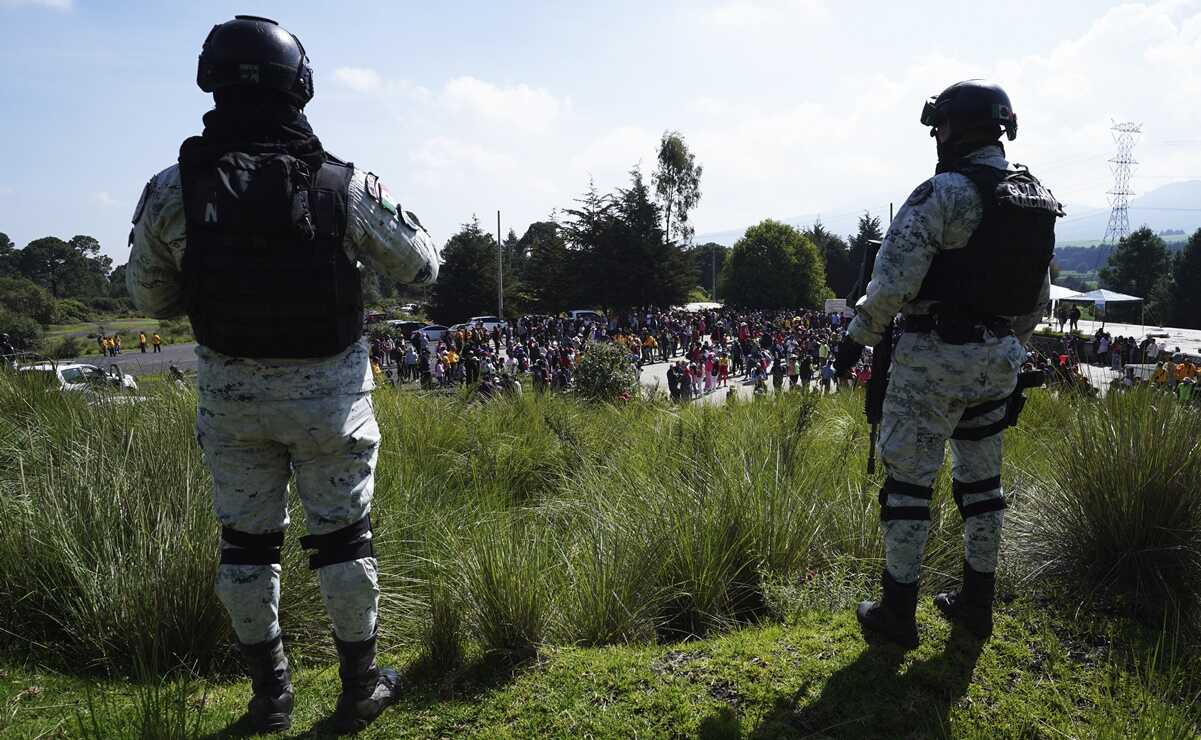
488	322
586	315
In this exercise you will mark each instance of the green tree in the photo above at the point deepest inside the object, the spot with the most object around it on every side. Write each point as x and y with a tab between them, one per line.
9	256
869	231
624	259
467	279
840	275
1139	266
774	266
677	185
707	260
550	268
22	297
1185	290
116	283
67	269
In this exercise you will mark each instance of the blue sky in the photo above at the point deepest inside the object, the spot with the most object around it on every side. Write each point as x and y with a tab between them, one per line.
792	106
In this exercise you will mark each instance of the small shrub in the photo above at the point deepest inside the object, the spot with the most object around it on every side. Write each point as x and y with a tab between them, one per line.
23	331
1118	509
66	348
605	373
70	311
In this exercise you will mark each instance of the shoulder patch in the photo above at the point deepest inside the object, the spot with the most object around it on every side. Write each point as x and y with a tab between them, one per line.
921	194
377	192
141	206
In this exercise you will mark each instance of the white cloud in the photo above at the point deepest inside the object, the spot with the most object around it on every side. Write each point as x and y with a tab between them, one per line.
359	79
519	106
103	198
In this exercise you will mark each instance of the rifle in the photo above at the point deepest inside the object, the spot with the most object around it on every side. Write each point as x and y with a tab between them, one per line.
877	386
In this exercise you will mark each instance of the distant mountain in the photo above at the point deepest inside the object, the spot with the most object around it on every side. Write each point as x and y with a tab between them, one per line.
1173	206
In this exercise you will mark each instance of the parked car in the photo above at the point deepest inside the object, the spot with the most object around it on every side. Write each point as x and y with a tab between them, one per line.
587	315
79	377
434	333
408	307
489	322
403	328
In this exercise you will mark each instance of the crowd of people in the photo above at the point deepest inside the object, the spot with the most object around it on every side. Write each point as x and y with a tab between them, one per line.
110	344
705	351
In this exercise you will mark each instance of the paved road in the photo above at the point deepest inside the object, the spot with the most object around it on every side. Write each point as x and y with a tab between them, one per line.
135	363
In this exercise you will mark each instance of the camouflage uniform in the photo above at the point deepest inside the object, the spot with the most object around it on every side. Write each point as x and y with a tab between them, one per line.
933	382
260	421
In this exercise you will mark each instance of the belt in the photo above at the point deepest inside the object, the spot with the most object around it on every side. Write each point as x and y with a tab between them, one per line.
972	330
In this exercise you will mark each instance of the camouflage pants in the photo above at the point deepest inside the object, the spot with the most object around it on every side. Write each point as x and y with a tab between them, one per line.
930	386
253	448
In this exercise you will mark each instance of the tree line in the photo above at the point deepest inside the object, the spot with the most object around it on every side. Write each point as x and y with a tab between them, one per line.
633	247
1169	282
52	280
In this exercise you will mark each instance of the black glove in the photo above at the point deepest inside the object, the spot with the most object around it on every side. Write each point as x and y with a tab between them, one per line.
848	356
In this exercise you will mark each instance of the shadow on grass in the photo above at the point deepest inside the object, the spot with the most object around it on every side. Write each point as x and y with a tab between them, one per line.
868	698
423	684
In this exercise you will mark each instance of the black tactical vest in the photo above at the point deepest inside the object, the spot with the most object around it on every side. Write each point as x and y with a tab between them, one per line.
1000	271
265	272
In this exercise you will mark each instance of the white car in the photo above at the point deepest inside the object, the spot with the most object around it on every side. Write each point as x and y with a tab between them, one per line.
434	333
587	315
75	376
489	322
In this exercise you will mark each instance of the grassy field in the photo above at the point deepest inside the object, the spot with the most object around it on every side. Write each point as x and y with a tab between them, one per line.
79	339
553	569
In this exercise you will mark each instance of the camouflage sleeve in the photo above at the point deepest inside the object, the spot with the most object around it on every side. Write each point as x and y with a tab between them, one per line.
390	239
913	238
1024	326
157	242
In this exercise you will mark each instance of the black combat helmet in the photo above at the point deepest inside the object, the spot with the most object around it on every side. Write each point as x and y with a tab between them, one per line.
969	105
255	52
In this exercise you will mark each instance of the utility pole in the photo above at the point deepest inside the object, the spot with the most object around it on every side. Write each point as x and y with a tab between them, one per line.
713	268
500	273
1124	135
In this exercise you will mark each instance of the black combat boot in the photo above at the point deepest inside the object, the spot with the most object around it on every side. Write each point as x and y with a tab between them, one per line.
971	606
367	689
893	616
270	709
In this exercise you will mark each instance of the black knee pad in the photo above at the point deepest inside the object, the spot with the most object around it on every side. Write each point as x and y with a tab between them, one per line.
906	513
250	549
962	488
340	546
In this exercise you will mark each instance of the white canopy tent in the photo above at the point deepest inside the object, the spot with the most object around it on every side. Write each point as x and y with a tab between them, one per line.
1102	297
1058	293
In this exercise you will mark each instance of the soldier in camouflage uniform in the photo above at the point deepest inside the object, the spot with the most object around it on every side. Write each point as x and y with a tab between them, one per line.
966	263
257	234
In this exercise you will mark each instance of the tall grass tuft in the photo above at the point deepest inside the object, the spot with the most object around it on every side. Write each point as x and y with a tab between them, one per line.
1116	507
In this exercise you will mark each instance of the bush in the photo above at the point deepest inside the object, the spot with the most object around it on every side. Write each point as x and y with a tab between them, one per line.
1118	511
605	373
23	331
70	311
543	519
106	304
174	331
66	348
25	298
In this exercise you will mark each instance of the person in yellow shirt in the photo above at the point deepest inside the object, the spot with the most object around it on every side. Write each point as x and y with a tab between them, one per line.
142	341
1160	375
107	345
649	345
116	344
1185	370
157	341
